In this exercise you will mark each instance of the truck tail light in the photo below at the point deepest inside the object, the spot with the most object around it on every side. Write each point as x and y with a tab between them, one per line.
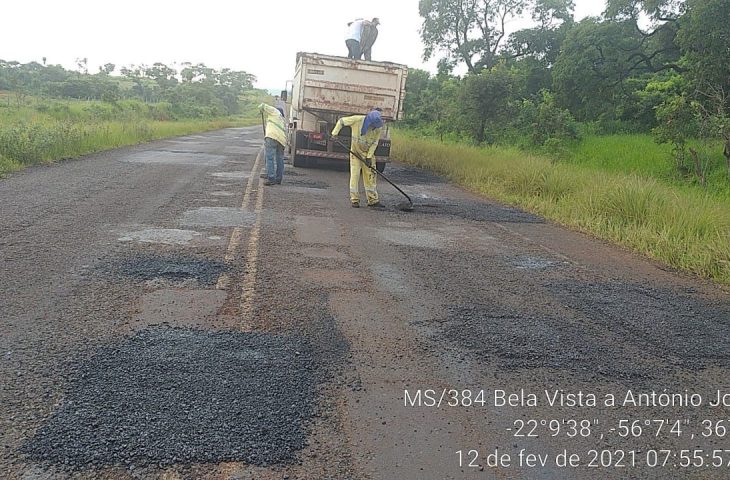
316	136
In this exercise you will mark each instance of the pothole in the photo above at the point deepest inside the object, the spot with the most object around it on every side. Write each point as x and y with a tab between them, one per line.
217	217
230	175
167	236
535	263
172	269
412	238
390	279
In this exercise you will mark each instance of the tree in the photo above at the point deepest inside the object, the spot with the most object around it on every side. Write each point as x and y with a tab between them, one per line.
107	69
657	49
705	41
473	31
534	51
592	73
485	101
83	65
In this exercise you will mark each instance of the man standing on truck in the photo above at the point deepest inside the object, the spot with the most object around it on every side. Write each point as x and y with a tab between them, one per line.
352	39
368	36
366	131
274	142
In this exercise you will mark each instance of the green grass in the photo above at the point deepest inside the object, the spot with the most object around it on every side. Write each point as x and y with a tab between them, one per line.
43	130
641	155
688	229
624	153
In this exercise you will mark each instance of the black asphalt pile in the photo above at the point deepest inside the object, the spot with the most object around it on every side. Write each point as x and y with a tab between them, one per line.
174	396
677	327
307	183
174	268
404	175
476	211
516	339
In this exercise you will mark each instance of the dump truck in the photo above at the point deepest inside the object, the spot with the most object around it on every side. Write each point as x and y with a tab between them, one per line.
326	88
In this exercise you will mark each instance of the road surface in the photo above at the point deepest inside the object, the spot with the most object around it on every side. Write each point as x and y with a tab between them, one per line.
165	315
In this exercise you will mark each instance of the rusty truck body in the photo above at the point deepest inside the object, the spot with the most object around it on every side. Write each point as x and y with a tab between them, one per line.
326	88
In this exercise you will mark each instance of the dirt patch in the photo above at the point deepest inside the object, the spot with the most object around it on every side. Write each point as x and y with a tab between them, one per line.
179	308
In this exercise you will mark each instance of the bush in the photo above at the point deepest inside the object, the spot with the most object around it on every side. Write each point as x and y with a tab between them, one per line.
546	124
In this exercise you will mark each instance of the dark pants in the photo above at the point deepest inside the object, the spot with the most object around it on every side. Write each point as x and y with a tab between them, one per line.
353	49
274	160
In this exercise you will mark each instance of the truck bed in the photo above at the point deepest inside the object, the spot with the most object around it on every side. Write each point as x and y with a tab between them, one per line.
330	84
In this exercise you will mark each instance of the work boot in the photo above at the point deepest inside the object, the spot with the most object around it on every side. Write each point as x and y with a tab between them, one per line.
269	183
376	205
355	204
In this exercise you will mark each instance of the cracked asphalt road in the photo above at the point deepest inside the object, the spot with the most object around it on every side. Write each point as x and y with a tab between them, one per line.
164	315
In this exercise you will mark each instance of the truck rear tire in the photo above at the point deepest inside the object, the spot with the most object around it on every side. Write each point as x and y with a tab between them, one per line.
380	166
297	160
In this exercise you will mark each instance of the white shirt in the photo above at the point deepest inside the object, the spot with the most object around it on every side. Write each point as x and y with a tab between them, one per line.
355	30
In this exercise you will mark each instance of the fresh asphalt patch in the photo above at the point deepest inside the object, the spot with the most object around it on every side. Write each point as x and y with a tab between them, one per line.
178	396
145	267
617	331
520	340
404	175
476	211
677	327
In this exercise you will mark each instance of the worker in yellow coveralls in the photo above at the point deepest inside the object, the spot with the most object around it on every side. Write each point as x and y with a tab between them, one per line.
366	130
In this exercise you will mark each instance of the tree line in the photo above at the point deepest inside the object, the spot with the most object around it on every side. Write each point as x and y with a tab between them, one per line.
196	91
660	66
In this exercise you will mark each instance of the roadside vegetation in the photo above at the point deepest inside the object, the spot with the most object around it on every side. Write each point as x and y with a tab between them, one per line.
48	113
618	125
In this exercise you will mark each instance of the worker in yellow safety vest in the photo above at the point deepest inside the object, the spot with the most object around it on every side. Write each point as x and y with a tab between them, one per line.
274	143
366	130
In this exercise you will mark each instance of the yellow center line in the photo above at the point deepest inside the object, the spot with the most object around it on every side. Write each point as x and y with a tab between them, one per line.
235	241
248	285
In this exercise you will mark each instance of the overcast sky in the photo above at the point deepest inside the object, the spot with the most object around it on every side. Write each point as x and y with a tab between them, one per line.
259	37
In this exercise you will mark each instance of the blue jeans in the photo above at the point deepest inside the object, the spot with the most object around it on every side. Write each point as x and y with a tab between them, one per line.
274	160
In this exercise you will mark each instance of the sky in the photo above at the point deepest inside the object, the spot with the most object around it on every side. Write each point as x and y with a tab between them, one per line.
258	37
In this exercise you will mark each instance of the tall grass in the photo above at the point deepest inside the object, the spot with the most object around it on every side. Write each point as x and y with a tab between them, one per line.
26	143
42	131
687	229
